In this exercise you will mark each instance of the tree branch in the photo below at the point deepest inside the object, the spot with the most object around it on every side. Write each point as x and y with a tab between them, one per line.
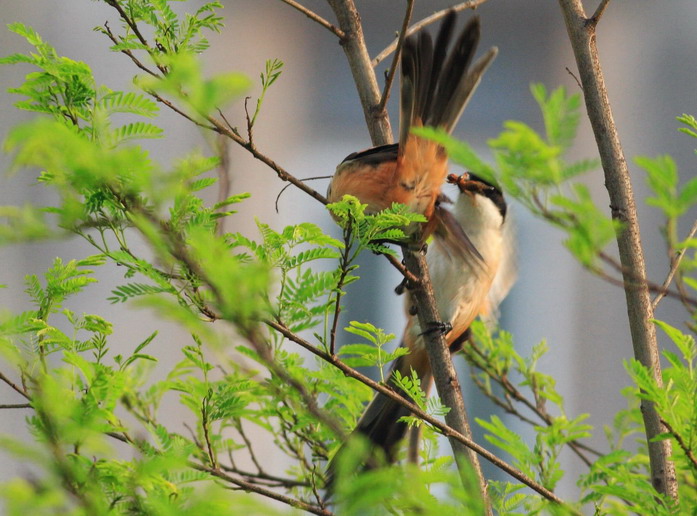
15	406
445	429
582	35
444	373
599	12
249	486
681	442
472	4
316	17
14	386
356	52
389	79
679	255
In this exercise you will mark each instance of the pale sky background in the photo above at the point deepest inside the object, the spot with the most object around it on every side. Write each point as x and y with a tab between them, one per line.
312	119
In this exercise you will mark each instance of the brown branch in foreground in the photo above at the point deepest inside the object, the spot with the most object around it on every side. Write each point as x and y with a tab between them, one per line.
316	17
444	374
582	36
389	79
472	4
416	411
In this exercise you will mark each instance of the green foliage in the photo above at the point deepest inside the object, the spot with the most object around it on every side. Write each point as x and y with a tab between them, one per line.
662	178
530	168
370	231
504	375
268	77
96	401
373	354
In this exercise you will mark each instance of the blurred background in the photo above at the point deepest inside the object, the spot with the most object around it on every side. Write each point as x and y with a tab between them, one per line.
312	119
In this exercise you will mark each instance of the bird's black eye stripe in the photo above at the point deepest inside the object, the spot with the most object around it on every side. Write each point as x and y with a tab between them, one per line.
496	197
492	193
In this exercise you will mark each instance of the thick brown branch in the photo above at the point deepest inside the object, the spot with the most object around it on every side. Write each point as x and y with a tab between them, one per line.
444	374
356	52
582	35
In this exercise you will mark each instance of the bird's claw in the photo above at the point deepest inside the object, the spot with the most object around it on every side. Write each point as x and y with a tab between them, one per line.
437	326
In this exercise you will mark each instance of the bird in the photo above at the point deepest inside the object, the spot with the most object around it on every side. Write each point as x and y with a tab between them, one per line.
464	288
435	87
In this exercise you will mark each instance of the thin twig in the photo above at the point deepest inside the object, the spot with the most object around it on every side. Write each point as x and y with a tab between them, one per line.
679	255
250	449
636	284
511	390
221	145
249	486
472	4
572	74
395	60
282	174
402	269
688	451
134	27
14	386
270	479
16	406
278	197
598	12
177	110
344	265
206	435
626	273
316	17
127	51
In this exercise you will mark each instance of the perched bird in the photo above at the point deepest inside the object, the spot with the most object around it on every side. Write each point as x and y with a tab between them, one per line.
435	87
464	288
468	239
